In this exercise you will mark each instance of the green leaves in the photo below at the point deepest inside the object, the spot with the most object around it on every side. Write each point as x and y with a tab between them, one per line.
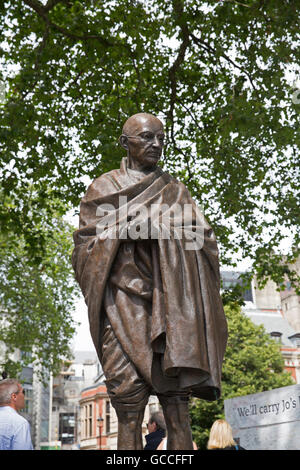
219	74
37	300
253	363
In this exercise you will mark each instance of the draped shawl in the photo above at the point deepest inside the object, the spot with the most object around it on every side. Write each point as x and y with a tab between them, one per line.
183	349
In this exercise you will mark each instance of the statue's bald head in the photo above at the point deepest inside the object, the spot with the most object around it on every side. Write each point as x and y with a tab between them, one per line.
143	138
134	123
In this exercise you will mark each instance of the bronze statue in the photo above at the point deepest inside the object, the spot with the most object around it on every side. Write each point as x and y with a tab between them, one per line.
155	312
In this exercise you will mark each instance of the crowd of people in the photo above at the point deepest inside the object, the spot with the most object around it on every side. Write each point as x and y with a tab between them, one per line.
15	429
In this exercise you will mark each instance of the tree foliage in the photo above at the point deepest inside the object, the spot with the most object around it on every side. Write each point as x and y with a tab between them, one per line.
216	72
37	301
253	363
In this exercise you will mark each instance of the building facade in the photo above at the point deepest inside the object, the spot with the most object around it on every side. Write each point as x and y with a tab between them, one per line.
99	424
278	312
65	413
96	422
290	301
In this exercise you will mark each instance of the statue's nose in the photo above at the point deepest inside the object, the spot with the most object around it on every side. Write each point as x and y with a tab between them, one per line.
156	142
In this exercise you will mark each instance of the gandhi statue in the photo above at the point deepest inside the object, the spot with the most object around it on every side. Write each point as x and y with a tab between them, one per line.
152	290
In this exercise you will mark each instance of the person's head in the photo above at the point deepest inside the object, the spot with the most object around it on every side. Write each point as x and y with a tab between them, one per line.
143	138
220	435
12	394
156	421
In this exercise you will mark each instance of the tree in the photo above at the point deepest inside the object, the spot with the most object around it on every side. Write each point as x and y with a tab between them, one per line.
216	72
37	301
253	363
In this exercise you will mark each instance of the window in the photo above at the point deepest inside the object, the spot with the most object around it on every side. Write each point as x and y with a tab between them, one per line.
28	401
295	340
67	428
276	335
26	356
231	279
107	416
88	420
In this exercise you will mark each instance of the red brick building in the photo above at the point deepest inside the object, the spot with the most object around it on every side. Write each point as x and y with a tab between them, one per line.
99	424
292	361
95	418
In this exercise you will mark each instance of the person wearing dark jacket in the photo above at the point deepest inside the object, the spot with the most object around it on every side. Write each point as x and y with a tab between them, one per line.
221	438
157	431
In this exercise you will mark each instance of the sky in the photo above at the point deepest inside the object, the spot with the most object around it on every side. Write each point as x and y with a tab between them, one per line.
82	340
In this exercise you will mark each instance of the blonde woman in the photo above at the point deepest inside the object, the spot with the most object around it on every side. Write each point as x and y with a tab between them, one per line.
221	437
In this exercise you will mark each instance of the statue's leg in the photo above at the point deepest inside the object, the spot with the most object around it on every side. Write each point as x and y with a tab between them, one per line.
130	429
127	390
176	413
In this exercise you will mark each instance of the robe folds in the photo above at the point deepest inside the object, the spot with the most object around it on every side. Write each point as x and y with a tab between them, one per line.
162	299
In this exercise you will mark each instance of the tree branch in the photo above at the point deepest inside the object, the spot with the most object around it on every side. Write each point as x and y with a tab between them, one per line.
43	13
207	47
178	9
51	4
37	6
172	73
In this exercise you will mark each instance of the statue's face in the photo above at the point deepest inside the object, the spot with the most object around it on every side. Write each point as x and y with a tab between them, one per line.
143	137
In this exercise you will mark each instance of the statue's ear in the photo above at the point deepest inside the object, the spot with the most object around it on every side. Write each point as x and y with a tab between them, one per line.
123	141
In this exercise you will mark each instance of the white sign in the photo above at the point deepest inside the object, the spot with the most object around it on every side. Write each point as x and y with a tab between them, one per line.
275	406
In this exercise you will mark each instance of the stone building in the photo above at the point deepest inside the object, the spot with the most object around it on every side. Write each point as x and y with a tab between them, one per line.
278	312
64	422
281	331
290	301
96	420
